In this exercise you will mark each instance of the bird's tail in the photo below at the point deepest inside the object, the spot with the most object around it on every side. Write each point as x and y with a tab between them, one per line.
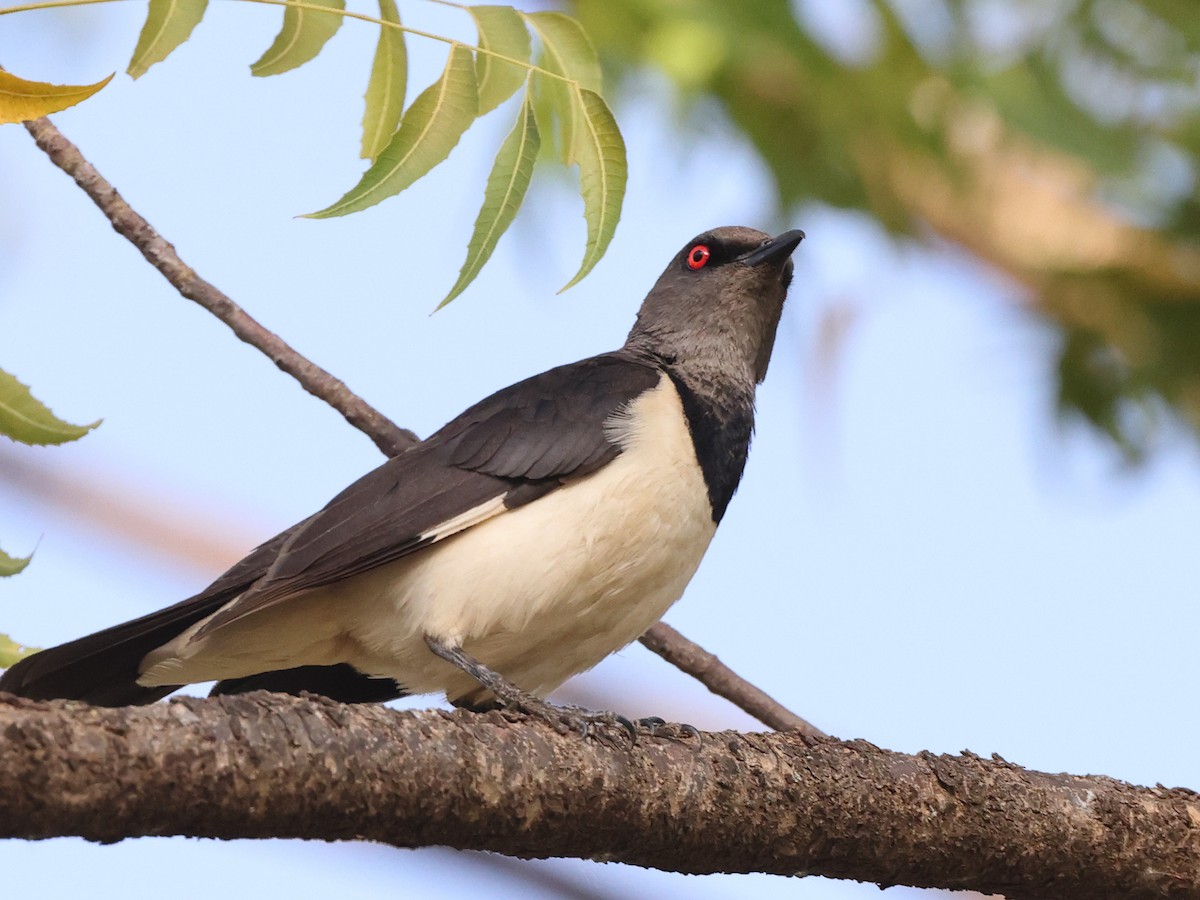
102	668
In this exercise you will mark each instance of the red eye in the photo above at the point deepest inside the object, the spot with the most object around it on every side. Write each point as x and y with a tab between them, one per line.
697	257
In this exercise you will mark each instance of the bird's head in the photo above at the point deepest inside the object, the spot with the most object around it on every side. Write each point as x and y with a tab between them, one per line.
717	306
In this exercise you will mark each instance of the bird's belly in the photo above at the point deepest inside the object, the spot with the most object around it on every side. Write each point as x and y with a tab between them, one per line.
551	588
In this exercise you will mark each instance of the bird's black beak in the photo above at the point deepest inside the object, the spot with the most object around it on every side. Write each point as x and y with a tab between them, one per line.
774	251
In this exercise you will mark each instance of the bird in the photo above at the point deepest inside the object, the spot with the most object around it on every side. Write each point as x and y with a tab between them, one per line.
542	529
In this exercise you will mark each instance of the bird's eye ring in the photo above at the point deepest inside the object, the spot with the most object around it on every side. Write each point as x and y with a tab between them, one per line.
698	256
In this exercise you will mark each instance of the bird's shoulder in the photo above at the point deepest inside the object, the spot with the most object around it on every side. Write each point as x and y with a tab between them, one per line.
552	425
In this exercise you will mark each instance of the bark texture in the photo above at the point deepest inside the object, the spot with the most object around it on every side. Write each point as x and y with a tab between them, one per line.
262	765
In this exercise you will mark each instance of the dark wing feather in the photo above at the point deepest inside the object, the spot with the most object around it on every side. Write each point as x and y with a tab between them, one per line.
518	445
551	425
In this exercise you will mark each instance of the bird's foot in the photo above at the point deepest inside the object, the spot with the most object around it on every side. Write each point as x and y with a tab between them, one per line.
562	719
661	728
566	718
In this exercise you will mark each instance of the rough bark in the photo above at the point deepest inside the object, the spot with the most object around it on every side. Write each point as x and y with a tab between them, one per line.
263	765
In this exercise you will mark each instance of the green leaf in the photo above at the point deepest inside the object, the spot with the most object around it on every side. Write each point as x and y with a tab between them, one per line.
502	31
506	187
301	38
168	24
11	565
603	172
24	419
22	100
389	81
566	51
11	651
429	131
387	86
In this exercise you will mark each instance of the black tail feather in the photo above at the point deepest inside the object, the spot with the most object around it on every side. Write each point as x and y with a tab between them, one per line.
102	668
341	682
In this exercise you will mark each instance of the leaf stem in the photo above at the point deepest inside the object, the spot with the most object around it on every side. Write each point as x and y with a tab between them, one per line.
313	7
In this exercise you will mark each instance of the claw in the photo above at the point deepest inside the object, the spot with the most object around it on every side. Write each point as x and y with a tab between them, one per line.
651	724
656	727
561	718
629	727
591	724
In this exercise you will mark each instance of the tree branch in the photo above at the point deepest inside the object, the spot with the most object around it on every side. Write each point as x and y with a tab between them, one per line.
723	681
387	436
260	765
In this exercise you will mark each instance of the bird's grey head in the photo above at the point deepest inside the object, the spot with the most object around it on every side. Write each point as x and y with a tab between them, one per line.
715	309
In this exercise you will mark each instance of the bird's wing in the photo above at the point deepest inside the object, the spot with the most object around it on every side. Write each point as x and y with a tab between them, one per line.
505	451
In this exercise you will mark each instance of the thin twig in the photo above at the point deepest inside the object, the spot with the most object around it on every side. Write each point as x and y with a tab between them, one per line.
159	253
706	668
388	437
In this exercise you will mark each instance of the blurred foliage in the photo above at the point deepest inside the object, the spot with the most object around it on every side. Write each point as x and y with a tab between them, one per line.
1058	141
11	651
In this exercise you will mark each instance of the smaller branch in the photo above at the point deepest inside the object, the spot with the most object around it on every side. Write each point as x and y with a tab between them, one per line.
706	668
161	254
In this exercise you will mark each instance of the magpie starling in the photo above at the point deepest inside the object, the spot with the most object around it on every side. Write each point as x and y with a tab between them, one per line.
545	527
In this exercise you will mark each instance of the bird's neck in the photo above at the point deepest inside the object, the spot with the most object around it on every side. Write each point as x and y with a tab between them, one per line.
716	364
718	402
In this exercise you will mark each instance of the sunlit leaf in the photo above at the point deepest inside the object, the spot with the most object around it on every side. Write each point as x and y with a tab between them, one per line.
389	80
11	565
429	131
506	187
501	30
11	651
566	51
168	24
602	175
21	100
301	38
24	419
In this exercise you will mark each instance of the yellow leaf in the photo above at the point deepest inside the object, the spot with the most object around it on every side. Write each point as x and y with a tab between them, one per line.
21	100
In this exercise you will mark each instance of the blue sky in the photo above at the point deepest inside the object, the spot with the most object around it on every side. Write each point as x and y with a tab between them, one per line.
918	554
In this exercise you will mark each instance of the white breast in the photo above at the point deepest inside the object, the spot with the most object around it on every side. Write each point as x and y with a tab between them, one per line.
538	593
